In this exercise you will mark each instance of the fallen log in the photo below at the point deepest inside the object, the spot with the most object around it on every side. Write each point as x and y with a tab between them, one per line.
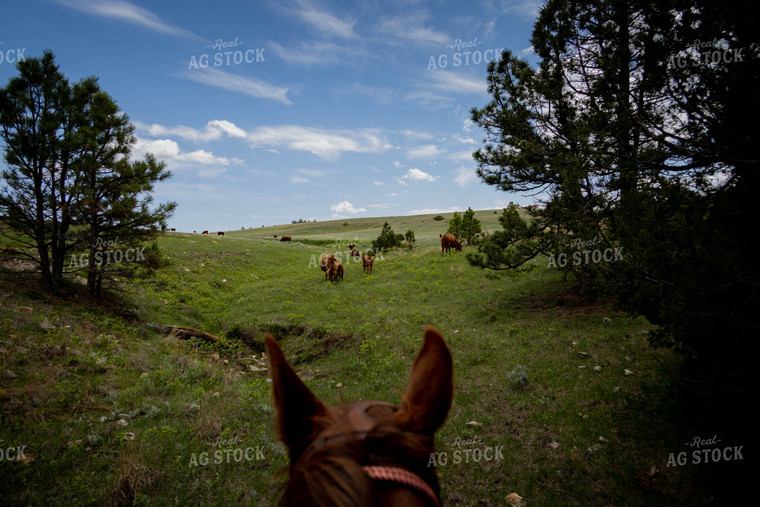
184	333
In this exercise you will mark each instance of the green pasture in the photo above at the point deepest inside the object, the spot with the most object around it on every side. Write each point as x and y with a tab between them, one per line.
114	411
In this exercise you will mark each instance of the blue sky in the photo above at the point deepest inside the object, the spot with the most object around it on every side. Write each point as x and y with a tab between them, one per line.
271	111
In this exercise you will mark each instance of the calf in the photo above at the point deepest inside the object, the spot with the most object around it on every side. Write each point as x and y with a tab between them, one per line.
326	264
367	262
220	233
337	271
205	232
355	253
285	238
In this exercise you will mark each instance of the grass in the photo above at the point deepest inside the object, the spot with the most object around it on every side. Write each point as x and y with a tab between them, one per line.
113	412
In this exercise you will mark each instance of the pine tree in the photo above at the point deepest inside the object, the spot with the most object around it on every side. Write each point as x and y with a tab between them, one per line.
455	226
70	186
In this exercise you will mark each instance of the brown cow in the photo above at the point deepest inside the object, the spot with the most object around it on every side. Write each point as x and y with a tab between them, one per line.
275	235
351	247
285	238
326	263
367	262
220	233
337	271
174	230
448	241
355	253
205	232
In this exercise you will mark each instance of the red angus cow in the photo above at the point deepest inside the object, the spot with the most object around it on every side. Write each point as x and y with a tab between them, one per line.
285	238
326	263
220	233
275	235
174	230
337	271
448	241
351	247
355	253
367	262
205	232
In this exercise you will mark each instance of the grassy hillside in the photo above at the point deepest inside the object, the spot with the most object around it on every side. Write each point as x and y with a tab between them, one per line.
111	410
366	229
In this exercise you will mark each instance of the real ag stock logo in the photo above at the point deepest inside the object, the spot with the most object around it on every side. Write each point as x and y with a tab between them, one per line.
467	451
11	55
585	256
226	54
227	451
464	53
705	451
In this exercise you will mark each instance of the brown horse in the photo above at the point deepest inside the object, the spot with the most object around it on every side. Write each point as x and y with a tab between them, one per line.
326	263
367	262
370	452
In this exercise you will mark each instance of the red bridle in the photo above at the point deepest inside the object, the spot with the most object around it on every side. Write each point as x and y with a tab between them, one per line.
363	423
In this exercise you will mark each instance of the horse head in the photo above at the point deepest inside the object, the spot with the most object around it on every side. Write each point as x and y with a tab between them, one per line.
370	452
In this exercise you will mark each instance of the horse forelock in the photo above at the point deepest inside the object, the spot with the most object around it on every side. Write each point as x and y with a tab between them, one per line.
333	475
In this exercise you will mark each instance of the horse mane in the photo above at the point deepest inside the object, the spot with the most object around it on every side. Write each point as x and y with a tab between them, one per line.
333	475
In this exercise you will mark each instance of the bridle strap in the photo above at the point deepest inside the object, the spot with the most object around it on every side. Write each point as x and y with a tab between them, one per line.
402	476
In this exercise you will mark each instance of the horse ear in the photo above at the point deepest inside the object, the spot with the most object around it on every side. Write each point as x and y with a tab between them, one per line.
297	407
428	395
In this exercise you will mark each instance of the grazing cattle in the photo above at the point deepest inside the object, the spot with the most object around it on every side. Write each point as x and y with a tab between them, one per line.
351	247
336	272
355	253
367	262
275	235
174	230
370	452
448	241
205	232
285	238
326	263
220	233
195	232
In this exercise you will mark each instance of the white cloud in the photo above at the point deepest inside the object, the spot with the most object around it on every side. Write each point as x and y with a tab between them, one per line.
425	151
327	144
412	28
416	175
318	53
462	156
345	207
128	12
450	81
169	151
324	21
525	8
429	211
213	131
378	183
228	81
465	176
